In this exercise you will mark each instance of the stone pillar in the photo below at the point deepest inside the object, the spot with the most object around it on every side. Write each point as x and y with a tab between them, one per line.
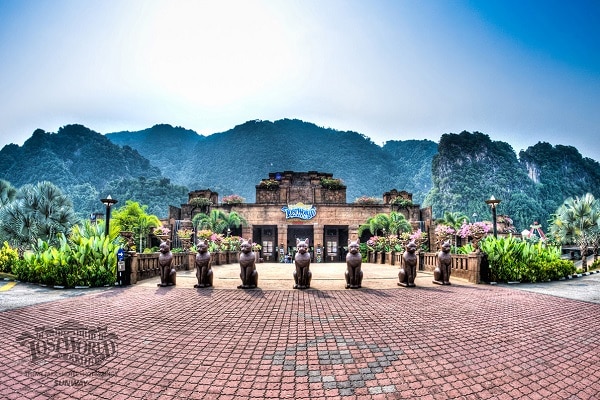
191	261
134	267
318	236
474	267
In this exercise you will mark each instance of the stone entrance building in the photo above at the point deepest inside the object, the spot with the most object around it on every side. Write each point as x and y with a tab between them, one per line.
291	205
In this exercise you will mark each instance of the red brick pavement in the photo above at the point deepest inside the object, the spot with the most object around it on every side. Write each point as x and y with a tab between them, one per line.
456	342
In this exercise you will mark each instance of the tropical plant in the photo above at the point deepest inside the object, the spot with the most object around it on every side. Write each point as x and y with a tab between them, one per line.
7	192
454	219
513	259
39	211
393	223
577	221
134	218
234	220
215	221
86	258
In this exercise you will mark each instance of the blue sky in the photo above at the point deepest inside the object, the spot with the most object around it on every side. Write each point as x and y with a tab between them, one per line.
519	71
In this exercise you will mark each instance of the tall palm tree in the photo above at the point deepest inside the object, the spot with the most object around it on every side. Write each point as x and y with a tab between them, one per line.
576	221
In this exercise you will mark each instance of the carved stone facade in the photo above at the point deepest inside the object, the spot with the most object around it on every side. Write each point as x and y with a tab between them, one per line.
291	205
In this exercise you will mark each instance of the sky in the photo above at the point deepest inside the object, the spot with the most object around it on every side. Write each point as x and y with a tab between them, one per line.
519	71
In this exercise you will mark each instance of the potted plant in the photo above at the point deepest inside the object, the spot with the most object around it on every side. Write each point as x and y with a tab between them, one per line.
161	232
185	235
270	184
232	199
366	200
331	183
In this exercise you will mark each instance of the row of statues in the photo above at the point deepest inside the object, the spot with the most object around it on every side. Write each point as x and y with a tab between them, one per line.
302	273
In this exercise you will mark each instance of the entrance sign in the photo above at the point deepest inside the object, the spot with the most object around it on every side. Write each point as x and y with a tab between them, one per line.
300	211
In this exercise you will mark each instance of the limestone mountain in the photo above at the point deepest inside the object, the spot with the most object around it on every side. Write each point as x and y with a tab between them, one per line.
158	166
470	167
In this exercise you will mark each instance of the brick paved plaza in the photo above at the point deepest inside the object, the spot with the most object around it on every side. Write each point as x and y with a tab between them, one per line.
431	342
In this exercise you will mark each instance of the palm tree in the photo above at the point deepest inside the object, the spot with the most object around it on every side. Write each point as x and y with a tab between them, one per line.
576	221
216	221
7	192
393	224
134	218
454	219
39	211
234	220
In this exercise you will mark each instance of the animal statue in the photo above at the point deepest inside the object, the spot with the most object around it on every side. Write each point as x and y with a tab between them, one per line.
203	262
302	274
408	271
248	272
441	273
354	274
165	261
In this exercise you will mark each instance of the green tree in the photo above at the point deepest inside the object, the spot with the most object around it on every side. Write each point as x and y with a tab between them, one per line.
133	217
576	221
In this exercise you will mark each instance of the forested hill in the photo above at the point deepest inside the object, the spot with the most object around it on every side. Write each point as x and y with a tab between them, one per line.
87	166
470	167
158	166
236	160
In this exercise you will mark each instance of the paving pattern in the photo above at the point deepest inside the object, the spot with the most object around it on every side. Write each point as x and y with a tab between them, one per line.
433	342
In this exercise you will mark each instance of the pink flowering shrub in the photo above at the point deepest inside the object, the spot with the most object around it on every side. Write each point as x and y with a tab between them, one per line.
476	229
232	199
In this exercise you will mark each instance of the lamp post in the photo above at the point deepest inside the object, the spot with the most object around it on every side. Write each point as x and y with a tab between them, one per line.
493	203
108	202
474	216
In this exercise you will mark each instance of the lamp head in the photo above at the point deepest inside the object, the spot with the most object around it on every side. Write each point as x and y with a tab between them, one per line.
108	201
492	202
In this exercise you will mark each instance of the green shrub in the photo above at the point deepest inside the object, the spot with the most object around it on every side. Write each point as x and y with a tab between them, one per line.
8	258
78	261
513	259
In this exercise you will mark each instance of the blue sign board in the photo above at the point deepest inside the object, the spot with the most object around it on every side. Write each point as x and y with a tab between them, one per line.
120	254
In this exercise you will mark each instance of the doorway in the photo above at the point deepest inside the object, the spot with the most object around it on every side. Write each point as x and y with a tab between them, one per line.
300	232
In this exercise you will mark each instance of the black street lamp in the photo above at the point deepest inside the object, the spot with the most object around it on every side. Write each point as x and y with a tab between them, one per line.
493	203
108	202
